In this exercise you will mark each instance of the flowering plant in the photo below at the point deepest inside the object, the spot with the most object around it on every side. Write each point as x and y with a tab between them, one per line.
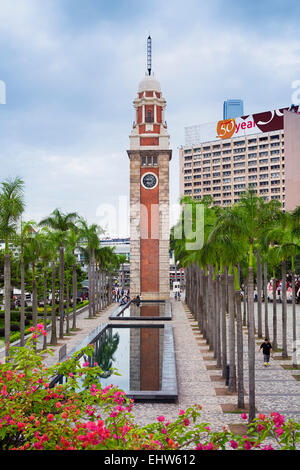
81	414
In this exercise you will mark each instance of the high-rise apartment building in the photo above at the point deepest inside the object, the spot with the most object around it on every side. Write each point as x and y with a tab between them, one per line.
233	109
259	151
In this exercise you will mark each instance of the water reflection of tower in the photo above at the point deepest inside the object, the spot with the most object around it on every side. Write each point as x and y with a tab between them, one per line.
146	354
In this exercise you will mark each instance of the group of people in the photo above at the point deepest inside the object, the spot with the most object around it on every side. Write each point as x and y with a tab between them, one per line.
289	290
121	296
177	295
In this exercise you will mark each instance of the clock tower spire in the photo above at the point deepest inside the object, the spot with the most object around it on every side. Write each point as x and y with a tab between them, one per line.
149	156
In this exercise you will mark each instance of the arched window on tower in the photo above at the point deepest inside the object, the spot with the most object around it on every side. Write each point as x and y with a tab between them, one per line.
149	116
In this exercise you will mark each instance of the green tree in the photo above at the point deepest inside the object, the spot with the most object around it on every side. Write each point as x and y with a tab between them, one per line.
60	223
11	208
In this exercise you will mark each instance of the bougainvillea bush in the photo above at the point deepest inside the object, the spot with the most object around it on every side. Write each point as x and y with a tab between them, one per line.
69	417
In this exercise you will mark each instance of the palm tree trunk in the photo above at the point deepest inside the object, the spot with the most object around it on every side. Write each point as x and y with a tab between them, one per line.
214	317
22	317
259	291
205	283
97	308
45	307
53	341
266	300
74	288
245	303
7	288
90	284
201	300
67	307
251	346
61	292
284	312
239	343
274	342
93	283
210	309
223	325
34	299
231	331
123	277
294	316
218	323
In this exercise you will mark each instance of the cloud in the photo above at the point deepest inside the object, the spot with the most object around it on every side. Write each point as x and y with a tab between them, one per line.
72	72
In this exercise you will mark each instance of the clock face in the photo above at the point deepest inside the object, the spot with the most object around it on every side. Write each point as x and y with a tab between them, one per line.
149	180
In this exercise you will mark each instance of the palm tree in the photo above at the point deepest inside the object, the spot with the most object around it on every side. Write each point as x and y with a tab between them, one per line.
89	234
32	252
61	223
259	296
295	232
285	243
20	240
122	261
11	208
242	225
274	261
72	242
231	249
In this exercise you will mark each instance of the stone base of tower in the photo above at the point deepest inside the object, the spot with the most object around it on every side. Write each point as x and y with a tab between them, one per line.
155	295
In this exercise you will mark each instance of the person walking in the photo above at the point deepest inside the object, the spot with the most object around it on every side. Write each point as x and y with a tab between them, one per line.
266	347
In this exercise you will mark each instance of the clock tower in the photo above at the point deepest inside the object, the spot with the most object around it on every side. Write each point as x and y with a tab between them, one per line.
149	157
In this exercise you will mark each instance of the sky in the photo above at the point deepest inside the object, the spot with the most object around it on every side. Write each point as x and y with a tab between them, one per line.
71	69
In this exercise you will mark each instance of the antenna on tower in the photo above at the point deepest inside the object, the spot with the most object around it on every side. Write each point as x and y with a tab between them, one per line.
149	54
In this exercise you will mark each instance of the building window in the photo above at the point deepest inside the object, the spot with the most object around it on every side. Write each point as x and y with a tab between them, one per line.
152	161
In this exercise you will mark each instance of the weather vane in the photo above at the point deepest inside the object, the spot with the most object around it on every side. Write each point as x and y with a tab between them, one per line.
149	54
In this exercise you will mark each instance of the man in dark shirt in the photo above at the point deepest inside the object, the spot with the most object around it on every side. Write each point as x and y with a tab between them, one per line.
267	348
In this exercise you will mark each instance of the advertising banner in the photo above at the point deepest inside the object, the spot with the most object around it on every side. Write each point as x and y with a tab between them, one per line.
266	121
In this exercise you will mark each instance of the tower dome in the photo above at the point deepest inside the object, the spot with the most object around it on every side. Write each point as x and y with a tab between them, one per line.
149	83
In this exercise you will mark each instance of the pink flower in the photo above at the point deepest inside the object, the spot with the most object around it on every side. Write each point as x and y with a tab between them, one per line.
50	417
269	447
58	404
244	416
234	444
161	419
247	445
209	446
186	421
277	419
279	431
181	412
200	447
70	374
